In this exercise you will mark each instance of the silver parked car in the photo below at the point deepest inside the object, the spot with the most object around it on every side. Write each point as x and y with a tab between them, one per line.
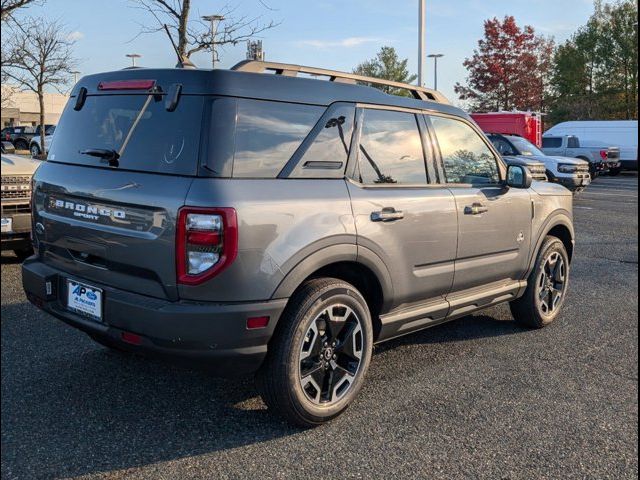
282	225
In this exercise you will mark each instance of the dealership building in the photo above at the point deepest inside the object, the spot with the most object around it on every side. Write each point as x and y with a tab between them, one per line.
21	108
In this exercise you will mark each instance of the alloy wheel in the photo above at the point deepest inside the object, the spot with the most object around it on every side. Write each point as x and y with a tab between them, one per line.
551	283
331	354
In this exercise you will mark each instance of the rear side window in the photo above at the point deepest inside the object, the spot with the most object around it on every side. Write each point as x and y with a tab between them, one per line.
466	157
551	142
573	142
268	134
390	149
147	137
327	148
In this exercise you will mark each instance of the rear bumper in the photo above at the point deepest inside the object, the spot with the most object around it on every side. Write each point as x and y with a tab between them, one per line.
212	335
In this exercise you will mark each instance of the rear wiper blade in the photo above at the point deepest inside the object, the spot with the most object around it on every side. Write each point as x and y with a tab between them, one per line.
107	155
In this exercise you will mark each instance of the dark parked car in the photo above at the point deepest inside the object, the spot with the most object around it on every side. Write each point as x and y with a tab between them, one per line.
283	225
21	136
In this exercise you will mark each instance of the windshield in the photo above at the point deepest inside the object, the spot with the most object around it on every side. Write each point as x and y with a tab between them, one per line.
138	127
525	147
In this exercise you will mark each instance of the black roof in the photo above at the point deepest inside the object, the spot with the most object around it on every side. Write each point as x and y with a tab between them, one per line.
261	86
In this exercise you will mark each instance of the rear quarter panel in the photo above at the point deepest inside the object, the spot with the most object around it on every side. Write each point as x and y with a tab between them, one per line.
280	223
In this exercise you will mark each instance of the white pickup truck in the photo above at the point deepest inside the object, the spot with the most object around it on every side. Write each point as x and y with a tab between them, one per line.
601	158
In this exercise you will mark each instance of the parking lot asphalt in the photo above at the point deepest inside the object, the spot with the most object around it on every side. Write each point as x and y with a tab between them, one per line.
476	398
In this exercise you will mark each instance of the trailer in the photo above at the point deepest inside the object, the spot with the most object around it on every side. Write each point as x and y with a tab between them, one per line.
524	124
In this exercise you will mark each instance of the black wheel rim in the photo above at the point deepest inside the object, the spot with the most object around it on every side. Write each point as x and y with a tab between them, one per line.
331	355
551	284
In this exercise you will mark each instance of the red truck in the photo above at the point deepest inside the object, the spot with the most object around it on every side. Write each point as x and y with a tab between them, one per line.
524	124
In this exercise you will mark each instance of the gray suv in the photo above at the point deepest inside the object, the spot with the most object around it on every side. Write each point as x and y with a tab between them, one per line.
281	225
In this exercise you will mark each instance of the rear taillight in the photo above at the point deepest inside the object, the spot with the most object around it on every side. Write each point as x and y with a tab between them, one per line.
206	243
604	154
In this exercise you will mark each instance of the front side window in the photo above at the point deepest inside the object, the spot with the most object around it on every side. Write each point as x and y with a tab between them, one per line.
268	134
390	149
502	145
467	158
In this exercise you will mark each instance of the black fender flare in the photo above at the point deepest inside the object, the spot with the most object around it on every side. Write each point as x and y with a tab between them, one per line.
335	254
559	218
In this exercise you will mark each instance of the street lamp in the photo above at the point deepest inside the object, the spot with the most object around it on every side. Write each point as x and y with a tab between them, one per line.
435	57
215	21
421	41
133	57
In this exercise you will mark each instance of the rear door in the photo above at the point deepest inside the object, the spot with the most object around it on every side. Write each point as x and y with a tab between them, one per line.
410	224
109	222
494	221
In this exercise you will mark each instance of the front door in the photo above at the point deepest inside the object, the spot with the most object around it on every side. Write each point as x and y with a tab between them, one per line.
409	224
494	221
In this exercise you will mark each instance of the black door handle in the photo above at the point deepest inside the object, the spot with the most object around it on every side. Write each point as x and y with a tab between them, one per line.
475	209
387	214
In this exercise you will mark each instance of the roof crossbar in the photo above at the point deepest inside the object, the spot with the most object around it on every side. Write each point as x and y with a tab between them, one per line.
289	70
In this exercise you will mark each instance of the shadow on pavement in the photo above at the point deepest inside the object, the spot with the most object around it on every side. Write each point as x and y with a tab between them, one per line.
71	407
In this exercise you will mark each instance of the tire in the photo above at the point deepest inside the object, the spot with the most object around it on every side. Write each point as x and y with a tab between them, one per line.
614	172
23	253
533	309
21	145
539	307
34	150
303	341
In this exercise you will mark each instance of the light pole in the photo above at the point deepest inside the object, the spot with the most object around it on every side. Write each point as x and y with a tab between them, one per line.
421	41
133	57
435	57
215	21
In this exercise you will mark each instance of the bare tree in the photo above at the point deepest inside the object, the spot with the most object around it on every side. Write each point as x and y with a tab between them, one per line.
196	35
39	57
8	7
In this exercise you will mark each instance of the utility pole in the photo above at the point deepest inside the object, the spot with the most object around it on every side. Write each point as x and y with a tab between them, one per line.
133	57
75	74
421	41
215	21
435	57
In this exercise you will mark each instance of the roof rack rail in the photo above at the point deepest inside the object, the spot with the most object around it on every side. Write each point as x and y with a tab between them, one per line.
289	70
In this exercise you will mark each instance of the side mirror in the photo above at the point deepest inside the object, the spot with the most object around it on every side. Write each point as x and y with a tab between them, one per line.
519	177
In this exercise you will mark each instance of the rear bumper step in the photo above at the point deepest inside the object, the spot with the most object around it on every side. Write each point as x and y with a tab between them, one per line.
213	335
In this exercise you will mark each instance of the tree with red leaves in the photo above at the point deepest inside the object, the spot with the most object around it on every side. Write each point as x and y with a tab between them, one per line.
510	69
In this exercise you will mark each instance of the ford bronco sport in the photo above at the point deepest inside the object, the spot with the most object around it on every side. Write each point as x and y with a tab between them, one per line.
283	225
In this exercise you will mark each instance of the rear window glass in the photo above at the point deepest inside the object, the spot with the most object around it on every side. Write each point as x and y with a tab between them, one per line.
138	127
268	134
551	142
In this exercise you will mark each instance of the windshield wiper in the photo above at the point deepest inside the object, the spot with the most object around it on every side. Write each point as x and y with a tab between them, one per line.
106	155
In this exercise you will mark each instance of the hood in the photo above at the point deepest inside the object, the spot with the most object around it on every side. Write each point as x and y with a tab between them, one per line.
524	160
553	189
566	160
17	165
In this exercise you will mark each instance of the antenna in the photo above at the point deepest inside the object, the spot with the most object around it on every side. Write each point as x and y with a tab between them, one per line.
182	62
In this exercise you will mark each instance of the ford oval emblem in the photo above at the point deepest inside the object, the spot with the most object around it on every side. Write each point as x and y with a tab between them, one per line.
39	228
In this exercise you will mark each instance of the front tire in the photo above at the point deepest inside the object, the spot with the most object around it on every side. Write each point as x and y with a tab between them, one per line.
35	150
546	287
320	353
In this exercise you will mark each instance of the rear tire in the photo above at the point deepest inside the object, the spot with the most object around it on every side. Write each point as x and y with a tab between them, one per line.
21	145
546	287
320	353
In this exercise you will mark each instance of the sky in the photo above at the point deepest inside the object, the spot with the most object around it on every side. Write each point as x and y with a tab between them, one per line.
334	34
